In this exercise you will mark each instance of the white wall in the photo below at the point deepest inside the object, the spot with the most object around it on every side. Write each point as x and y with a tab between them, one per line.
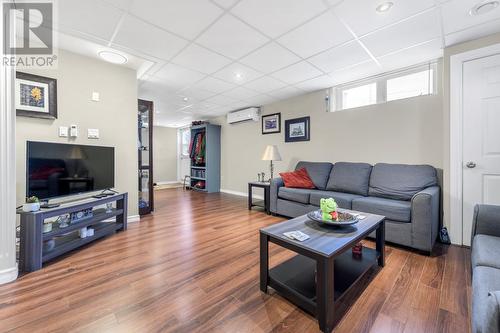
164	154
404	131
115	116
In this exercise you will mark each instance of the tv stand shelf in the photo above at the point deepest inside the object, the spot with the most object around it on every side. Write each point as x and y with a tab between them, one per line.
32	254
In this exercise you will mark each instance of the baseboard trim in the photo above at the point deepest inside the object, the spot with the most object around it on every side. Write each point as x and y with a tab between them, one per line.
133	218
169	182
8	275
240	194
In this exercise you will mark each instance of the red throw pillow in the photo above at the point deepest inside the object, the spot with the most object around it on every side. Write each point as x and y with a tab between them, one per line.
298	179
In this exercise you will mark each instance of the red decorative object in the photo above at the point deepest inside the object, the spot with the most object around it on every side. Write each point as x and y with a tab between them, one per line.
357	250
297	179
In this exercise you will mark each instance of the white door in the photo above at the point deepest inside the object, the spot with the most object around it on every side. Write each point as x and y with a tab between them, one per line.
481	137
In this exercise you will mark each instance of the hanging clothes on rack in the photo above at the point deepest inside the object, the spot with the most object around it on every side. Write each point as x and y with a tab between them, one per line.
197	148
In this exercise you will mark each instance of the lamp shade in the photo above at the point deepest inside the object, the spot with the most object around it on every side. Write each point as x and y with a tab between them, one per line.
271	154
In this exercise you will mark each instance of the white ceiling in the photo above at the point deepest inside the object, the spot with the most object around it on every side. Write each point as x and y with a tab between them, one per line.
227	54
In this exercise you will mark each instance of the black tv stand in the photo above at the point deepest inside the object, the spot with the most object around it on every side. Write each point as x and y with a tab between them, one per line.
47	205
32	253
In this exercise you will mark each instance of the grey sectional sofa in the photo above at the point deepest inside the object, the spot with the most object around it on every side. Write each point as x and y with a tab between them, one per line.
408	195
485	258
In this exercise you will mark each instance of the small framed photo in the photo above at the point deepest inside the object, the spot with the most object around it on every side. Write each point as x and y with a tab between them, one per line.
297	129
271	123
36	96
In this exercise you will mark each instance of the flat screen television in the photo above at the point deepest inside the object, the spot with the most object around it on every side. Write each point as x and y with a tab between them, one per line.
58	169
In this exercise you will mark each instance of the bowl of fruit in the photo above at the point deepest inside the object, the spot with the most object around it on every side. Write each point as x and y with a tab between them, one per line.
330	214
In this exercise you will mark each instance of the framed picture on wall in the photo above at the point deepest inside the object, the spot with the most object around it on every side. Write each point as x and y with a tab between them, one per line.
36	96
271	123
297	129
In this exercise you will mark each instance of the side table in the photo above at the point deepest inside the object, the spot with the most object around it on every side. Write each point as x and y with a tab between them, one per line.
267	191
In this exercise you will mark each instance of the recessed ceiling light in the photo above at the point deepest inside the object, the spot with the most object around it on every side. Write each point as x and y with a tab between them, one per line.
185	99
483	8
238	75
384	7
113	57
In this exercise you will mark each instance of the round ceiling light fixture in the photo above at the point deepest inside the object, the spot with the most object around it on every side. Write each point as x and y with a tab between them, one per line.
238	76
384	7
113	57
483	8
185	99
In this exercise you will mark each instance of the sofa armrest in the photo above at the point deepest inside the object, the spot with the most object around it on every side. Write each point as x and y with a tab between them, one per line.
486	220
276	183
425	218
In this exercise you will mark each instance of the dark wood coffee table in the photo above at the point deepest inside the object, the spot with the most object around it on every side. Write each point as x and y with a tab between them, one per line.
325	268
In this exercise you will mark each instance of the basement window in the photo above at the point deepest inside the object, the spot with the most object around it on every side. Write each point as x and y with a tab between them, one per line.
407	83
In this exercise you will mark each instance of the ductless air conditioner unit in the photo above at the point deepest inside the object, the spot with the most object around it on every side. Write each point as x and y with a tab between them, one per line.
243	115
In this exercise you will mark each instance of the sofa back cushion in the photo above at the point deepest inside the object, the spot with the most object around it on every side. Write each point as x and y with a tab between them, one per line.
350	178
400	181
318	171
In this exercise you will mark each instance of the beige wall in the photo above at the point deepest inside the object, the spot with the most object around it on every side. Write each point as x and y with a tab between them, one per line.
164	154
448	52
404	131
115	116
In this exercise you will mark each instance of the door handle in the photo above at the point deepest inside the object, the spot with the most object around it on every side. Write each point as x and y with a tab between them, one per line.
470	165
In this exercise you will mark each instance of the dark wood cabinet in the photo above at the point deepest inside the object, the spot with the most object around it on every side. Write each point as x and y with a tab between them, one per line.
145	152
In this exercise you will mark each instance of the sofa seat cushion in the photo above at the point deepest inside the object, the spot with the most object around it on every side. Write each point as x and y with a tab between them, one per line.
318	171
344	200
486	251
294	194
396	210
485	299
400	181
350	178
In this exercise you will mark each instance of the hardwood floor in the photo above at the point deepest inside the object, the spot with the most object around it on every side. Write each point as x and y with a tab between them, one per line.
193	267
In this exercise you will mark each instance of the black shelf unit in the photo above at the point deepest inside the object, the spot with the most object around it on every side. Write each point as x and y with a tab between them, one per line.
145	156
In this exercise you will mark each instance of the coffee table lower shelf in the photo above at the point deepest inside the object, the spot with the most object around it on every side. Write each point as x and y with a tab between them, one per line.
295	279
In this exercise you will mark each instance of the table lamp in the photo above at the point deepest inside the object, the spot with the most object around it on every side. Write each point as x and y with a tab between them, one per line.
271	154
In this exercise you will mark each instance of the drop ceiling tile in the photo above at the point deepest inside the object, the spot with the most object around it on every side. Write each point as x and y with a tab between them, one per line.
270	58
237	73
214	85
317	35
296	73
241	93
201	59
158	43
197	93
225	3
357	72
456	15
174	75
122	4
361	16
416	30
431	50
340	57
92	17
320	82
265	84
222	100
276	17
286	92
231	37
261	100
188	18
474	32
